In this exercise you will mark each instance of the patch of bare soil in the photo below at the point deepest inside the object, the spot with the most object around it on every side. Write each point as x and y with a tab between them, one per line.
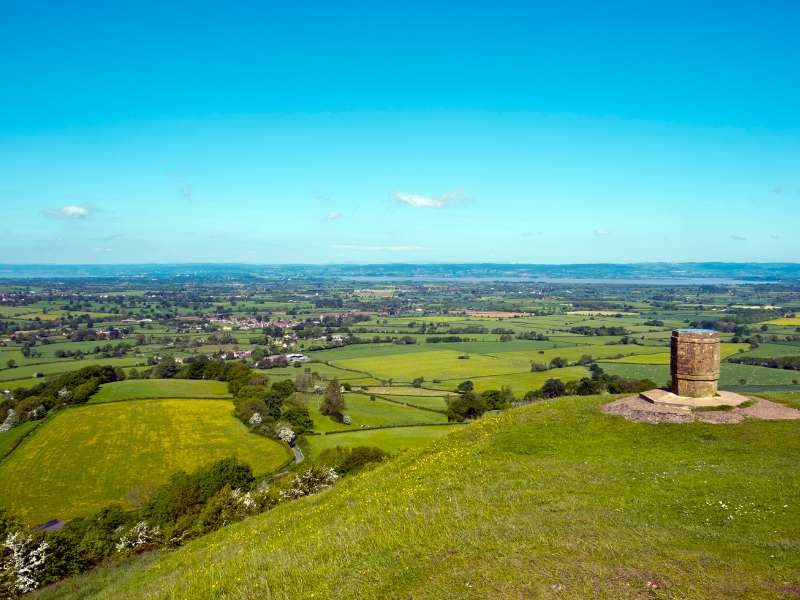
770	411
637	409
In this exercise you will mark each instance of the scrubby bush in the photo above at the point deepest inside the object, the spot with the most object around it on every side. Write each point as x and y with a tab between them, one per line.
466	406
347	461
311	481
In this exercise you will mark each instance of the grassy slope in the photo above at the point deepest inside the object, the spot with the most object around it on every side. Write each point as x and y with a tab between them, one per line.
8	439
84	458
555	496
131	389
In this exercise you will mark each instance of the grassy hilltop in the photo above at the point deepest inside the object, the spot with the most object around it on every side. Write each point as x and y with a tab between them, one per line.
552	500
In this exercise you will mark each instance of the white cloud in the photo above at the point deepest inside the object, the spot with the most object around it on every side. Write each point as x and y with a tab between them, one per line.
601	232
420	201
367	248
738	238
102	249
334	216
774	236
70	211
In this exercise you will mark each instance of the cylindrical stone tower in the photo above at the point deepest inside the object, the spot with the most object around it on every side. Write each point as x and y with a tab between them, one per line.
694	362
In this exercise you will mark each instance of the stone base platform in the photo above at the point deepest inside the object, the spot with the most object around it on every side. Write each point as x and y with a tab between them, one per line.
641	410
722	398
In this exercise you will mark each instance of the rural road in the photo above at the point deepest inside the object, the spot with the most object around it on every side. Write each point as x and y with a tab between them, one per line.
298	454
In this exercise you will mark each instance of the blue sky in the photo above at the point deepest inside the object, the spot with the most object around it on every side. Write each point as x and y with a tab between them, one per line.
412	132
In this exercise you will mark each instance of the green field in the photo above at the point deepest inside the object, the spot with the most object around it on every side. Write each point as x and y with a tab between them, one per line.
730	374
392	439
445	365
430	402
663	358
66	365
399	390
372	413
555	500
134	389
82	459
8	439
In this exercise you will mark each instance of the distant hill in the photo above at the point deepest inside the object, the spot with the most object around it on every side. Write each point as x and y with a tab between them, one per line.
713	272
554	500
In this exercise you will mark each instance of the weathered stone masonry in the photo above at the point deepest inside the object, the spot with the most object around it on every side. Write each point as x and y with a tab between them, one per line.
695	362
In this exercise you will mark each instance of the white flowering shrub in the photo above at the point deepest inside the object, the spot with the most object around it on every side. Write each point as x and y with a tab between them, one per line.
255	419
347	420
231	505
311	481
286	434
10	421
139	537
19	564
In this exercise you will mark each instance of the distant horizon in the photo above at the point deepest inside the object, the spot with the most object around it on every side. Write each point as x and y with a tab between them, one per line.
679	273
399	263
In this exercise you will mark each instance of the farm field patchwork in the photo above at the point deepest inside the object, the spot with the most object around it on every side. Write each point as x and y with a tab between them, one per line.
445	365
429	402
662	358
372	413
85	458
730	374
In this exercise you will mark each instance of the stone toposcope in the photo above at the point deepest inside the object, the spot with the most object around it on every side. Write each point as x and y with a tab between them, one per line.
694	363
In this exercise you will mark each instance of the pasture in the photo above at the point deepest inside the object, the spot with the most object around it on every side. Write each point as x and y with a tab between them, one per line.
136	389
393	439
372	413
8	439
85	458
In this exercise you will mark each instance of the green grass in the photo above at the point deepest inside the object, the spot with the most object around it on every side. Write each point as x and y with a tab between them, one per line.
555	500
65	365
134	389
663	358
400	390
429	402
730	374
392	439
82	459
9	439
372	413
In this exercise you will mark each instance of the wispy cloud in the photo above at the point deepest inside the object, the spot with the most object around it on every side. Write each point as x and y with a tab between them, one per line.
774	236
738	238
334	216
601	232
368	248
531	233
101	249
420	201
69	211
